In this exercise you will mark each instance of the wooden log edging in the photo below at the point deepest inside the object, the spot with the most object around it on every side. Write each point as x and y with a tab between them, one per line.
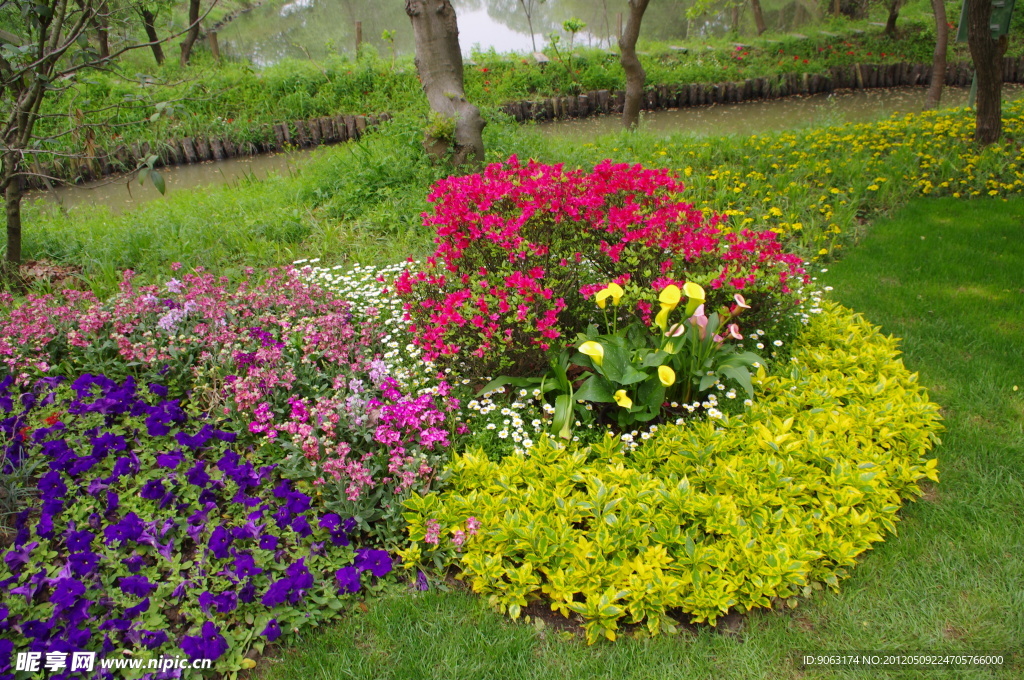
660	97
190	150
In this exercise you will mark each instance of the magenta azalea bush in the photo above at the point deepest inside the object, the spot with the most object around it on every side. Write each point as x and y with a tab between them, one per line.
521	247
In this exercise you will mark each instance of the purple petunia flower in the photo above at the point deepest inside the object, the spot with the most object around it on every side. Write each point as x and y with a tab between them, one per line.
52	486
83	563
139	586
196	441
248	592
268	542
348	580
223	603
128	529
272	630
134	563
197	475
220	539
152	490
245	565
152	639
66	592
377	562
209	644
158	390
170	460
140	608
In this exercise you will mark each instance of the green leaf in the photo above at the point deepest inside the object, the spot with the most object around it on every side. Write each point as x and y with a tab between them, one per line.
598	389
740	375
562	419
158	182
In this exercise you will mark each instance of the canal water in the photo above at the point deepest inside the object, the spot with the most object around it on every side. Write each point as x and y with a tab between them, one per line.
314	29
746	118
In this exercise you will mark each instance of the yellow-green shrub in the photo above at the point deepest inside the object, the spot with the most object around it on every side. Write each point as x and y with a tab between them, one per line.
705	517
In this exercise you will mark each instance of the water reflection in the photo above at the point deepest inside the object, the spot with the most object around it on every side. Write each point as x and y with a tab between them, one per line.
314	29
740	119
756	117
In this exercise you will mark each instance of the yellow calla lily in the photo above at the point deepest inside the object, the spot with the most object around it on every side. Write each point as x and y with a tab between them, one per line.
666	375
622	399
662	319
594	350
695	297
613	291
670	296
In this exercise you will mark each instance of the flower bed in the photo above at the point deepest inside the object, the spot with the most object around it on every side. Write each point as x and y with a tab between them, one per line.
154	533
705	517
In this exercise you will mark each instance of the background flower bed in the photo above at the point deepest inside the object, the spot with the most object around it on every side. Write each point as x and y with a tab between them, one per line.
704	517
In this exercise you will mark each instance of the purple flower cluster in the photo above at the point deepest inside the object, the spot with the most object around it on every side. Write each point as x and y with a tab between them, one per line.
143	518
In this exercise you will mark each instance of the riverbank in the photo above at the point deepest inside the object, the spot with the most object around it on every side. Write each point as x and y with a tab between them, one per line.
240	110
304	134
362	203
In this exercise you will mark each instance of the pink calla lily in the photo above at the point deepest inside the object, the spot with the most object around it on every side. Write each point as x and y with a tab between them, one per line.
734	331
700	321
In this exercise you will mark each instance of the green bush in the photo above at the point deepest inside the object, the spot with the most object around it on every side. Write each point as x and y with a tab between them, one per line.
704	518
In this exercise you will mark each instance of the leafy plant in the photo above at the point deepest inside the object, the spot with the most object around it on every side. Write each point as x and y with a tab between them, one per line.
754	510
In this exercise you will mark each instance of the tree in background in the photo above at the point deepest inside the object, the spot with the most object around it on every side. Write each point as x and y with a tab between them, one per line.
193	31
987	53
458	125
939	58
528	7
148	11
45	56
894	14
635	74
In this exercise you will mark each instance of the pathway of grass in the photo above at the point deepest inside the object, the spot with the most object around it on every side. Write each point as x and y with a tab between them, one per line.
944	275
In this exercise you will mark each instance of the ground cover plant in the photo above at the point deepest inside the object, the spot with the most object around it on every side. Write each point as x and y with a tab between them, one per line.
775	500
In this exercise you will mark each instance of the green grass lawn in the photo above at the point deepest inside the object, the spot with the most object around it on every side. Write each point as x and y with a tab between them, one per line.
946	276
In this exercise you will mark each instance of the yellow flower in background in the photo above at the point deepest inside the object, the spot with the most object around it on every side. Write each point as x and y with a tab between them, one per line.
666	375
613	291
594	350
622	399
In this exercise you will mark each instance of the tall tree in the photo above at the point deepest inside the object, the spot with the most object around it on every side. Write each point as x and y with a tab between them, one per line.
635	74
939	57
755	5
987	53
193	31
439	64
528	7
894	14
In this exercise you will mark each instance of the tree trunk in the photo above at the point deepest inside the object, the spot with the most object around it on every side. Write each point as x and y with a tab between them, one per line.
439	64
635	75
987	53
939	59
529	21
755	5
894	14
835	8
13	209
193	31
735	19
102	30
149	23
